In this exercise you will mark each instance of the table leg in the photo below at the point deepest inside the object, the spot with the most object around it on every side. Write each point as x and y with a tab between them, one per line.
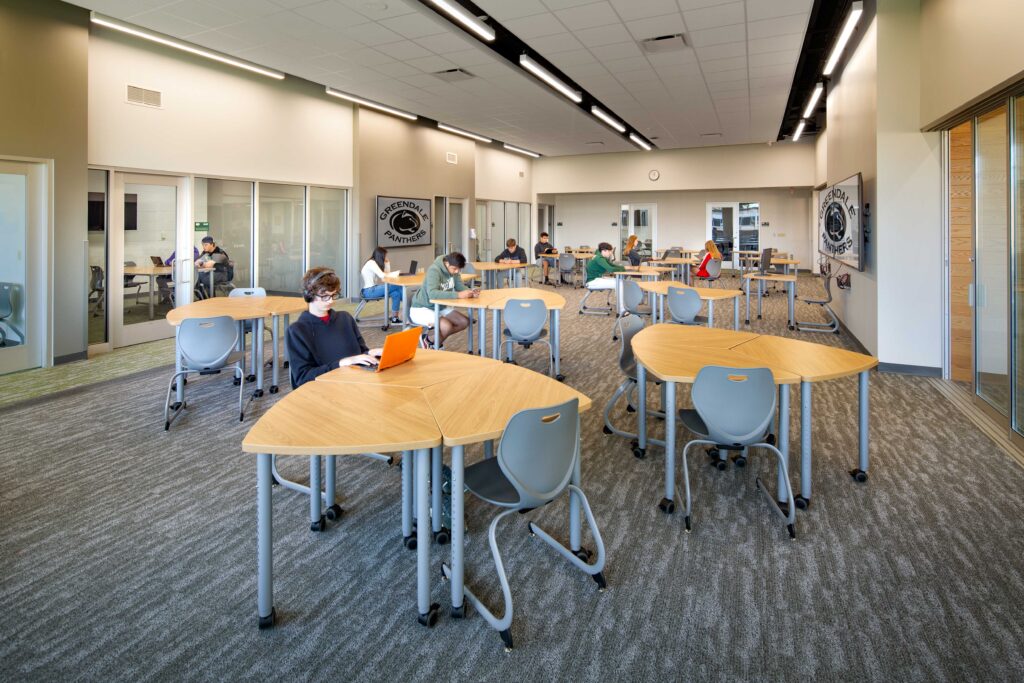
458	529
661	305
257	355
861	473
804	499
436	480
387	306
747	283
760	292
179	389
556	340
316	515
481	346
152	286
407	472
641	409
496	334
736	313
618	296
284	328
275	339
792	293
213	292
405	307
469	332
783	441
711	312
670	443
264	543
437	327
575	529
427	612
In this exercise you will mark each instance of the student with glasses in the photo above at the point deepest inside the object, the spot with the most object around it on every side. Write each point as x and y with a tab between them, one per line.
322	338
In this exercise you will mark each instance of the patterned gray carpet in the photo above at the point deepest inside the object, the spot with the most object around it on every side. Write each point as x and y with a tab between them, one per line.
128	553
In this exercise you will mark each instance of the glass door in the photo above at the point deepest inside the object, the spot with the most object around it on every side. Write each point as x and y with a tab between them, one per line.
749	229
991	270
97	230
1017	184
722	229
282	221
23	307
644	218
148	228
455	225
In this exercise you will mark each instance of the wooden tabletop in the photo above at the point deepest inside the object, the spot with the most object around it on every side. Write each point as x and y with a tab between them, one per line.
323	418
417	279
706	293
147	270
813	362
237	308
491	265
492	299
770	277
583	255
486	299
496	393
750	258
697	335
662	350
428	367
649	270
676	260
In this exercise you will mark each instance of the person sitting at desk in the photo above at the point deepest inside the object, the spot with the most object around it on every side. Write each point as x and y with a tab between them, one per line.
711	252
374	287
543	247
599	267
323	339
512	253
163	282
442	281
632	251
213	258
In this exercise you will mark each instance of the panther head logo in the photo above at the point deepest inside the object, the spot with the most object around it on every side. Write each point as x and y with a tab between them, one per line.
405	222
835	222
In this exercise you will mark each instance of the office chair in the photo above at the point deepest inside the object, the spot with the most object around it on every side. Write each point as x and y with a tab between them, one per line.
714	269
732	411
207	346
7	312
632	303
524	325
130	281
684	304
363	300
96	287
831	326
627	363
537	459
567	266
606	309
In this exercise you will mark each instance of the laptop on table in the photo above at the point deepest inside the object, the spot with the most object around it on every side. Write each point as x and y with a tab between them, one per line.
398	348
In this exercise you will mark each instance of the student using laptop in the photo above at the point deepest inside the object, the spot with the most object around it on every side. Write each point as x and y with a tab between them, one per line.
374	286
323	339
442	281
543	247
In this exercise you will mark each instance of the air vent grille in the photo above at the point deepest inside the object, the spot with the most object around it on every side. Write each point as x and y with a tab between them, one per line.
144	97
454	75
659	44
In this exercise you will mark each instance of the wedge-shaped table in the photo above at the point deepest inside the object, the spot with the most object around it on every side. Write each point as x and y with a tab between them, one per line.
789	280
709	294
490	271
672	354
678	263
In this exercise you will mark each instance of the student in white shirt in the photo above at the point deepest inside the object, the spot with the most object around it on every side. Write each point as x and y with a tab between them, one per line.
373	281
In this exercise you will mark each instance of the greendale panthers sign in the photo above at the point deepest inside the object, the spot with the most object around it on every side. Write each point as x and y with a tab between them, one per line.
403	222
839	222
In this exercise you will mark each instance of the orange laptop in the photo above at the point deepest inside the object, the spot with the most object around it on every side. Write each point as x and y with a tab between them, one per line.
398	348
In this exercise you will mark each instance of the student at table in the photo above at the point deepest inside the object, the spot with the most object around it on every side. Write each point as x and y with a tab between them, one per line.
599	267
212	258
512	254
542	247
711	252
441	281
374	287
323	339
632	251
163	282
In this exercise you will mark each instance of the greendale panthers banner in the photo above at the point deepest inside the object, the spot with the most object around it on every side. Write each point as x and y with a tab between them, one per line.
403	222
839	222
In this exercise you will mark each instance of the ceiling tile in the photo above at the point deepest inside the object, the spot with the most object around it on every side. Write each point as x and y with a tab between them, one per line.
652	27
413	25
535	26
588	16
503	11
445	43
711	66
607	53
603	35
641	9
330	13
559	42
713	17
769	9
628	64
404	50
170	24
776	44
716	36
562	4
769	28
369	34
378	10
768	58
431	64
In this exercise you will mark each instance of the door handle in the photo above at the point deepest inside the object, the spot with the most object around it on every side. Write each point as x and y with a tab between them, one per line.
970	295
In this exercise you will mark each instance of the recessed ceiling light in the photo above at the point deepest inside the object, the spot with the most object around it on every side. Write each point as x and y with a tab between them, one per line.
799	131
464	133
461	15
639	142
372	105
513	148
543	74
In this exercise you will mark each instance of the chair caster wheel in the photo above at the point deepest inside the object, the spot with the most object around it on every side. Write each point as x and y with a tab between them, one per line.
583	554
607	430
284	364
791	327
835	331
184	380
274	388
268	621
792	531
167	426
458	612
334	512
391	461
560	377
686	520
859	475
442	537
614	338
236	381
719	465
506	637
410	542
667	506
250	378
712	453
430	618
630	409
639	453
319	525
739	461
747	321
600	581
258	393
384	328
770	439
802	503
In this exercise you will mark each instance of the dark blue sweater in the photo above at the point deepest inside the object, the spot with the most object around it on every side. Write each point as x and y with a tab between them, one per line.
315	347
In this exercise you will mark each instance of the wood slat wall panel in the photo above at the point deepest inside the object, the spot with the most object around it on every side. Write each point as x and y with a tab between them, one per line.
961	248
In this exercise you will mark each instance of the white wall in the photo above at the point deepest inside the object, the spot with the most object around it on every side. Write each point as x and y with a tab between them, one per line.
215	120
498	175
682	217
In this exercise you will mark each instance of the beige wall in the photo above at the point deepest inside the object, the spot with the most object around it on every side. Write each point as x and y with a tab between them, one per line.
215	120
503	175
706	168
968	49
44	72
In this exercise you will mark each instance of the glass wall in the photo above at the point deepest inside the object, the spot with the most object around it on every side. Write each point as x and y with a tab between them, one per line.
150	228
1018	262
223	210
282	231
327	229
97	232
524	229
13	267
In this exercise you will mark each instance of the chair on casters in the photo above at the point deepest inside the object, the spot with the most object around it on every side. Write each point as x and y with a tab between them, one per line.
633	303
733	411
130	281
383	317
524	325
627	363
207	346
714	269
537	459
831	326
683	306
96	287
567	266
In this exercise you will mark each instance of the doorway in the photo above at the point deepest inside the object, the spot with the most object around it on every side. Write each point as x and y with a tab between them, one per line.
734	227
640	220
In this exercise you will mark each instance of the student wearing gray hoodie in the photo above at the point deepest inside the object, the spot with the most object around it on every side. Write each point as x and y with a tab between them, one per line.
441	281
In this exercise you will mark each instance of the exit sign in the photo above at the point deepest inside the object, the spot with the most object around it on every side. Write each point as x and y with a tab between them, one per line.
202	226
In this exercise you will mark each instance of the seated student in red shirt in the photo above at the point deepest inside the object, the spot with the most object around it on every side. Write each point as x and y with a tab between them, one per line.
323	339
711	253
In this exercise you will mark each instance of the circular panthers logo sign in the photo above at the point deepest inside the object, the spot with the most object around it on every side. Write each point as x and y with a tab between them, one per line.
835	222
838	218
405	222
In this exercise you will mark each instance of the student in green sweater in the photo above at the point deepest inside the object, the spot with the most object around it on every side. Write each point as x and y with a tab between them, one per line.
442	281
599	267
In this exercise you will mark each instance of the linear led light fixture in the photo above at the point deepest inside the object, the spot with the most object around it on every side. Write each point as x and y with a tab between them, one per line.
520	150
463	133
185	47
543	74
639	142
813	102
799	130
844	37
460	15
372	105
607	118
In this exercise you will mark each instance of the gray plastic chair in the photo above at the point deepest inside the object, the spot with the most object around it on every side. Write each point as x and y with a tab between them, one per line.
96	287
833	324
524	325
632	302
7	312
627	364
537	458
207	346
130	281
683	306
382	318
567	266
736	407
714	269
